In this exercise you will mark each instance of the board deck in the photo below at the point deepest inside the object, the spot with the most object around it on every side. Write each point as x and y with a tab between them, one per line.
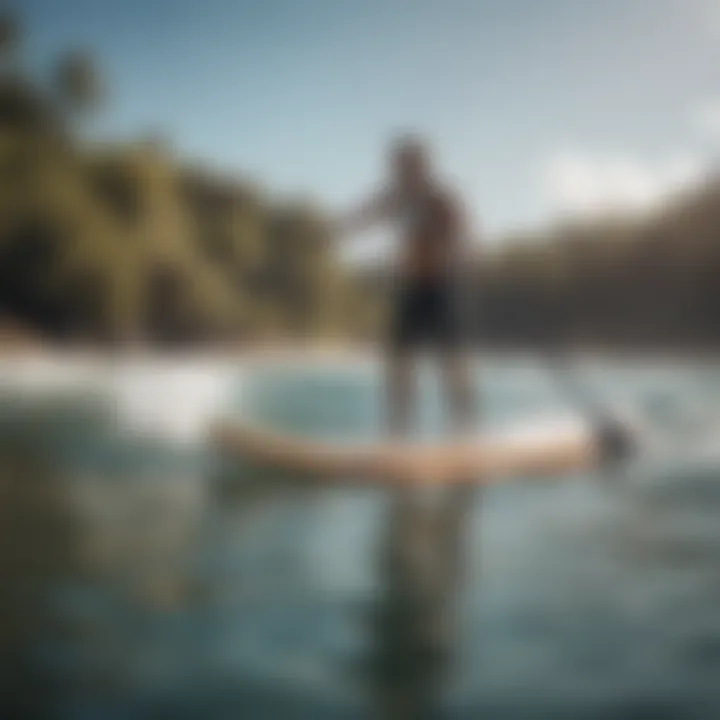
539	449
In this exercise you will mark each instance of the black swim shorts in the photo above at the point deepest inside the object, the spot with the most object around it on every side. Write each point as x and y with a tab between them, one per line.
428	315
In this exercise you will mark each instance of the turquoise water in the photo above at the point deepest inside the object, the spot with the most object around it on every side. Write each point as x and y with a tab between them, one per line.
195	587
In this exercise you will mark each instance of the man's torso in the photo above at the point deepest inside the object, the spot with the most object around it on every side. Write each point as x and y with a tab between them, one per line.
430	242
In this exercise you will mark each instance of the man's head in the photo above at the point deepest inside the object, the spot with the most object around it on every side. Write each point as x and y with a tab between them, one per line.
409	162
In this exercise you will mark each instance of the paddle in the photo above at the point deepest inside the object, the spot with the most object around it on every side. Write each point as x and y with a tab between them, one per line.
616	441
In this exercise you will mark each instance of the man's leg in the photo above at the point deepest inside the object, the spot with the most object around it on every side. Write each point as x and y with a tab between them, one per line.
459	389
399	392
455	333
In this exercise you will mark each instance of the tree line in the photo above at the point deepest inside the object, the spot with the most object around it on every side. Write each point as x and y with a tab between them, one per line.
645	282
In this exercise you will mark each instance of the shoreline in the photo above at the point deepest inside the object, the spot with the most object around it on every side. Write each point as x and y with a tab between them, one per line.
322	353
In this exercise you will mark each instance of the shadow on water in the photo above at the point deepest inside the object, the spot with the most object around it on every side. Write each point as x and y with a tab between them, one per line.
413	620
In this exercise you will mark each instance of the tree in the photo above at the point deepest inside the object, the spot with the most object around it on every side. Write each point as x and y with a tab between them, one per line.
78	82
10	36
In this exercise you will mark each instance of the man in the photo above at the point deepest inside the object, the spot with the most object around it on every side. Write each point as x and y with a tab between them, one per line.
428	310
421	556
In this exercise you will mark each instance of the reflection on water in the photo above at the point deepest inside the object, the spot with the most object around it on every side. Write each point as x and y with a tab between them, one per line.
144	577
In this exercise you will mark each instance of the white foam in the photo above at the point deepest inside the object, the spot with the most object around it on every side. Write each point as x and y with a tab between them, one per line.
172	402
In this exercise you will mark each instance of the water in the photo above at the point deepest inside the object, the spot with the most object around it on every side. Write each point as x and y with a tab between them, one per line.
190	587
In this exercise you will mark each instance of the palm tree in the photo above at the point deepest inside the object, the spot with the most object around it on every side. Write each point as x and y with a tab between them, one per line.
10	37
78	82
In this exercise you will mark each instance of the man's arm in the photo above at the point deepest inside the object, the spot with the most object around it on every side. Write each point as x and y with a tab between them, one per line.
376	209
451	220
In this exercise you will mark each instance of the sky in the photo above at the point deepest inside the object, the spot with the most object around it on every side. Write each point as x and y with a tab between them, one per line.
535	108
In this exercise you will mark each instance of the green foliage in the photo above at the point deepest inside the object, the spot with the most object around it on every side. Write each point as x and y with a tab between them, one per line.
126	243
78	82
9	33
635	282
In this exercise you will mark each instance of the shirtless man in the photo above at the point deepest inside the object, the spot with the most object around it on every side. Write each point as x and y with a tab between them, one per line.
427	309
420	559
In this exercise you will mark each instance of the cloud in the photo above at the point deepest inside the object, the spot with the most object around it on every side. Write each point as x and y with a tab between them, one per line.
581	183
705	118
704	18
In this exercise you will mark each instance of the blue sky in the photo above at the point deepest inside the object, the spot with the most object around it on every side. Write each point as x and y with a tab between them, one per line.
535	106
